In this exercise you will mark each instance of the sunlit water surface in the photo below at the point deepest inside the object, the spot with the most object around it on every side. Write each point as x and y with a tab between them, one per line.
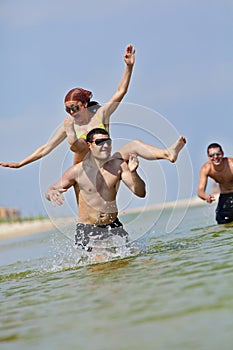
174	292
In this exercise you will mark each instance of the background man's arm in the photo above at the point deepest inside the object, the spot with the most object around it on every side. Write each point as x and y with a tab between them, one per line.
201	191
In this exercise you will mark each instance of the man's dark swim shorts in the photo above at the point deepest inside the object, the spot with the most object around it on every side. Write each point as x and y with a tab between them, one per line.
87	232
224	211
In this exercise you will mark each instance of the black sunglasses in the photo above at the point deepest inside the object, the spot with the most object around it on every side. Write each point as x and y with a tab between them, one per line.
101	142
73	108
211	155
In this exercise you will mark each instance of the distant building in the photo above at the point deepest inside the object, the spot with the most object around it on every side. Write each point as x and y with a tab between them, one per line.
9	213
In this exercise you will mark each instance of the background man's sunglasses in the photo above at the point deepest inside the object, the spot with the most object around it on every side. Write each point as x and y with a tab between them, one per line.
211	155
101	142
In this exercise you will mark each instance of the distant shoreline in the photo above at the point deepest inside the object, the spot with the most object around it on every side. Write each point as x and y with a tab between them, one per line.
18	229
193	202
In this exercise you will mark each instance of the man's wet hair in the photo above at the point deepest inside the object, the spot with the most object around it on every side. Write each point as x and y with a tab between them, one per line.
95	131
214	145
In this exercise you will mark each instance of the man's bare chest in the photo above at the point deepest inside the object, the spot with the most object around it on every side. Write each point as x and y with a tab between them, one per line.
98	181
224	176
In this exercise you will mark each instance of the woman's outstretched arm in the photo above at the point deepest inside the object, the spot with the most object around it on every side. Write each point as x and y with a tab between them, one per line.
40	152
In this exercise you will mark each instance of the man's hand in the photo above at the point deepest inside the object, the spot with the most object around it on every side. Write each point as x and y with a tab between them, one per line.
55	196
210	198
133	162
129	56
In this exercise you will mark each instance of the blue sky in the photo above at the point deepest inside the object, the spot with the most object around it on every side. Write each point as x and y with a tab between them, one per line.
183	72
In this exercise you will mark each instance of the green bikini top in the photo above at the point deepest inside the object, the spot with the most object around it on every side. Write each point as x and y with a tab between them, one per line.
83	136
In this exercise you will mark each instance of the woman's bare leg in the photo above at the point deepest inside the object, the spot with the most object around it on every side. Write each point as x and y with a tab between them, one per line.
150	152
80	149
78	146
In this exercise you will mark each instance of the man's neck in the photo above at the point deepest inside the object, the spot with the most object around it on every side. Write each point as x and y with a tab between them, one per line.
99	162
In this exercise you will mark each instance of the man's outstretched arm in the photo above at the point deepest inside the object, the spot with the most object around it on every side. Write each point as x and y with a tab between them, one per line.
55	192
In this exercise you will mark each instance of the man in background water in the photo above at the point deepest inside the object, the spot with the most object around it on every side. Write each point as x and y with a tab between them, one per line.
220	169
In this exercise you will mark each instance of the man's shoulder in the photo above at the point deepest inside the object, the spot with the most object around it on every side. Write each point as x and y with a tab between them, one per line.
229	161
206	167
114	163
117	156
74	169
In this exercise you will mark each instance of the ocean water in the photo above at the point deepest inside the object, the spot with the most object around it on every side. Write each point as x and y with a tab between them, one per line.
173	291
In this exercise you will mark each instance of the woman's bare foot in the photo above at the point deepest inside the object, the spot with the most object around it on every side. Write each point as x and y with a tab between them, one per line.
174	150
